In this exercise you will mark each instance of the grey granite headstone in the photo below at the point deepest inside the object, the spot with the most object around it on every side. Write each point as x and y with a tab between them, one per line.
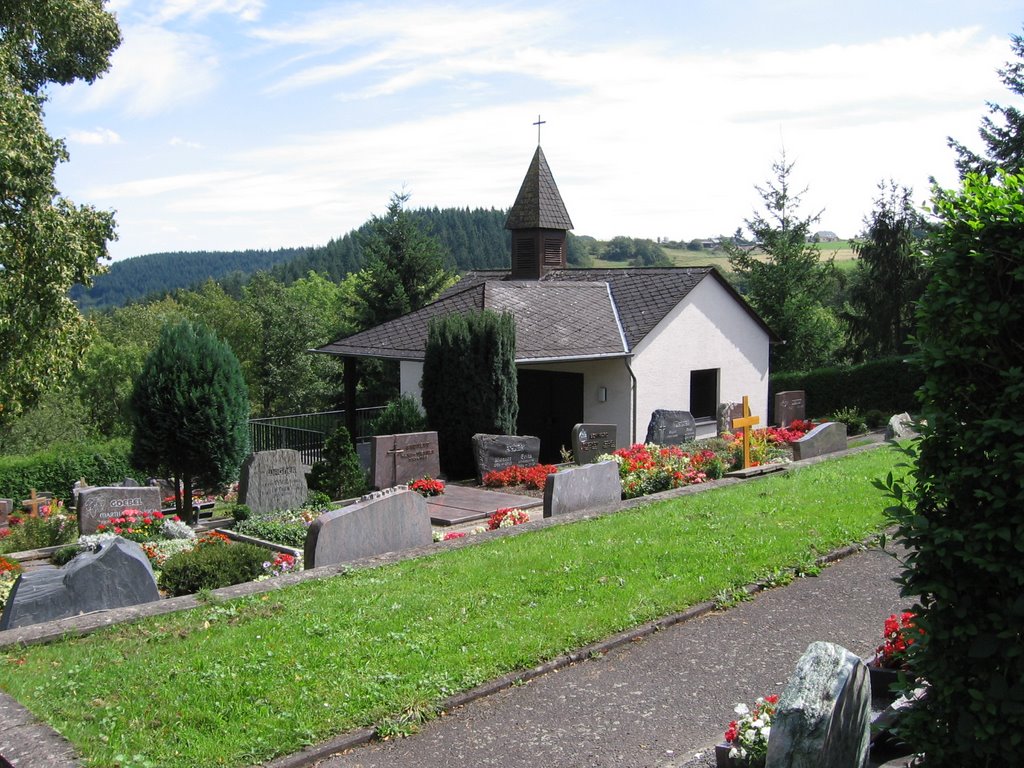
592	440
386	521
6	505
99	505
727	413
116	576
671	428
77	487
273	480
586	487
497	452
823	718
397	459
790	406
901	427
824	438
129	482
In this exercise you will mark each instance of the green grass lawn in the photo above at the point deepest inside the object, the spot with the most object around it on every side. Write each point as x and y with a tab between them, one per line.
236	683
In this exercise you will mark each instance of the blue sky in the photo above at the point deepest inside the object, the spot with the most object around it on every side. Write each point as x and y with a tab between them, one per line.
230	124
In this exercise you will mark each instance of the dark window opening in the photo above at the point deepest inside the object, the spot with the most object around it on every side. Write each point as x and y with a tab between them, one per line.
704	393
526	254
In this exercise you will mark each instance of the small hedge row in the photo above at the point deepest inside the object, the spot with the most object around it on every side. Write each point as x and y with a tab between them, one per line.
886	385
57	469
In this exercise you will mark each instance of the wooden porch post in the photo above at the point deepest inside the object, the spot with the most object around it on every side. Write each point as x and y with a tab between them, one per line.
351	379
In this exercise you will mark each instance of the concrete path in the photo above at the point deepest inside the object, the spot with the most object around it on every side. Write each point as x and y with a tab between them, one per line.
660	700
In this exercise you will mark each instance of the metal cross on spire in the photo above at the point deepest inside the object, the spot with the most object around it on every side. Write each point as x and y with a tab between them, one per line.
539	123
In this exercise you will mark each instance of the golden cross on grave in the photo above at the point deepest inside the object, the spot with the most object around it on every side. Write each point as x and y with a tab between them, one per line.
33	504
746	421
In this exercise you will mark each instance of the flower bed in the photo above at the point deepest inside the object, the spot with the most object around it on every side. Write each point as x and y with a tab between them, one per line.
532	477
647	468
427	486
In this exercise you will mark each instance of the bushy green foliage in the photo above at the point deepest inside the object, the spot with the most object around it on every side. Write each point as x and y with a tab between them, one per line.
36	532
291	534
190	411
855	422
211	566
961	516
403	414
886	385
56	470
469	383
339	475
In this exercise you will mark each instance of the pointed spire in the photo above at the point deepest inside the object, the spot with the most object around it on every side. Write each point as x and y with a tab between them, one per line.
538	205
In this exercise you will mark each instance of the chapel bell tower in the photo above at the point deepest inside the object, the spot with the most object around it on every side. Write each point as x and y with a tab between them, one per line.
539	222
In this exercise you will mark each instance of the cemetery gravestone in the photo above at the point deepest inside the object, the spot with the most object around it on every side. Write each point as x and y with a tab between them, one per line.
824	438
671	428
398	459
100	505
6	507
586	487
497	452
76	488
900	427
387	521
789	406
823	719
592	440
727	413
273	480
116	576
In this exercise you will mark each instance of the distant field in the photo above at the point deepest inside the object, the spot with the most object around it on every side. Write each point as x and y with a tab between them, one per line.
841	251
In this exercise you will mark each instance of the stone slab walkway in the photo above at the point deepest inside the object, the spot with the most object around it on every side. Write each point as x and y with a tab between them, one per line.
460	504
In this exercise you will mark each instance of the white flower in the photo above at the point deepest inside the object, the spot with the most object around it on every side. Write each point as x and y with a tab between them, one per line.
742	709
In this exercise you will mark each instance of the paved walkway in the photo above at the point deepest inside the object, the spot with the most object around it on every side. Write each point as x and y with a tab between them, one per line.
660	700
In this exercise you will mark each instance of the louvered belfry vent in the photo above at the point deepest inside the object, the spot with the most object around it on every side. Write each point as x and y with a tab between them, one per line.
539	222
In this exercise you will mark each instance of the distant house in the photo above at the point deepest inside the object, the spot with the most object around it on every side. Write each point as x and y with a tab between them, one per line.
825	236
594	345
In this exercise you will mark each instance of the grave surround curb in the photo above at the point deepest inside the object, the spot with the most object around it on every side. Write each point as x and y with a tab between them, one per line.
39	746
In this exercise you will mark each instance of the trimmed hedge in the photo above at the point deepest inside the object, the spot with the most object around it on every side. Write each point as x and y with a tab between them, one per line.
887	385
57	469
212	566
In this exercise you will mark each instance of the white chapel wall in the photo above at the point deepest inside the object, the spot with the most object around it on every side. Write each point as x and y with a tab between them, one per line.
707	330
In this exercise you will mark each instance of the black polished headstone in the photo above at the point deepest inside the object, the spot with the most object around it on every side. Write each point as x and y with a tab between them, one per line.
99	505
789	407
592	440
671	428
497	452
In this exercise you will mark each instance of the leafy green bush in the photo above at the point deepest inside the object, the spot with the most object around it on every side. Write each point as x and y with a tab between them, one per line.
961	514
291	534
240	512
57	469
851	417
65	555
875	418
339	475
38	531
403	414
886	385
211	566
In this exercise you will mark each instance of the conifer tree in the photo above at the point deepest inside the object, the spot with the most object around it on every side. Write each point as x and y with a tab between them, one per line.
190	412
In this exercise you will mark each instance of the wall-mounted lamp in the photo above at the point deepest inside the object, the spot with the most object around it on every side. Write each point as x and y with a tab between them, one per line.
602	394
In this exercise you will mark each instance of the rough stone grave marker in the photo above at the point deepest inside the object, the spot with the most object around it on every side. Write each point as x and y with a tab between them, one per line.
118	575
790	406
671	428
99	505
901	427
273	480
823	718
727	412
497	452
386	521
6	506
592	440
586	487
824	438
397	459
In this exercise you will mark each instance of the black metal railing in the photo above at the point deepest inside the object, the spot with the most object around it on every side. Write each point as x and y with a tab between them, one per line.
305	432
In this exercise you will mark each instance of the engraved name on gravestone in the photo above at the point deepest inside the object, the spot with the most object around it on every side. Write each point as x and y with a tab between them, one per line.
671	428
273	480
790	406
727	413
497	452
100	505
592	440
398	459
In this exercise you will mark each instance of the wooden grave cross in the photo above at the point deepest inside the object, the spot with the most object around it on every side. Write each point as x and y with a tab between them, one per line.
746	421
32	503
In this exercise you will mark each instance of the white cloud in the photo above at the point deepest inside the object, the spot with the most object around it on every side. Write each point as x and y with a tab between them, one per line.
154	70
177	141
245	10
95	136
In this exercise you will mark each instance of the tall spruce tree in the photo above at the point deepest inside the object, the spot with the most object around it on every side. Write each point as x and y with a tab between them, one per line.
1003	132
785	278
469	383
190	412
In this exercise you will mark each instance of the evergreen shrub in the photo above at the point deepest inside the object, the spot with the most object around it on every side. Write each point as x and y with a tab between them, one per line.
339	475
401	415
57	469
961	512
886	385
211	566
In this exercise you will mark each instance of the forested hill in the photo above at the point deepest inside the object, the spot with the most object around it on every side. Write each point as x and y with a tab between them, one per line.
474	239
158	273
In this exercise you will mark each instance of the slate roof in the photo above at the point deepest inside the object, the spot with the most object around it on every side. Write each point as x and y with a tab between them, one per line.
538	204
570	314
